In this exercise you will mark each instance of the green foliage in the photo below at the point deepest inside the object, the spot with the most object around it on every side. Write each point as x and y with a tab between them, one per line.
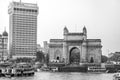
104	58
40	56
47	59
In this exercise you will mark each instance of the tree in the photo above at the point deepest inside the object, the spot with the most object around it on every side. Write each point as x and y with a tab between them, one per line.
47	58
104	58
40	56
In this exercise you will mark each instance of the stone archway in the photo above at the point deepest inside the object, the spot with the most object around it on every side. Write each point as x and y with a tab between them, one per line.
74	57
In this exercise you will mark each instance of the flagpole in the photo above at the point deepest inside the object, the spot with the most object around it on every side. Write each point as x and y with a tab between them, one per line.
20	1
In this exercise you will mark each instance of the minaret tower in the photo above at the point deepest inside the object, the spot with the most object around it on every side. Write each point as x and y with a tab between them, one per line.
65	30
85	33
65	53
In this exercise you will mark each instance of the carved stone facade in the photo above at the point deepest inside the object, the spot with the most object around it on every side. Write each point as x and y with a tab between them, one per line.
75	48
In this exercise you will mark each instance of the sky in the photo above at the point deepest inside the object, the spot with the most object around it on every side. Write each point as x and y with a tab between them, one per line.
101	18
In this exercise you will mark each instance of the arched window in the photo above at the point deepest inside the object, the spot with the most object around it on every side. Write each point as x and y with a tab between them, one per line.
57	54
91	60
58	57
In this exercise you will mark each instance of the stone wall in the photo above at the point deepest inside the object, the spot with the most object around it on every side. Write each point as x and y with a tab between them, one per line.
55	51
94	50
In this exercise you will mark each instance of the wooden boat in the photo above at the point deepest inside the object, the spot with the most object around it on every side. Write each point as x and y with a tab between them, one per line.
20	69
44	69
8	75
23	69
116	76
4	69
54	69
93	69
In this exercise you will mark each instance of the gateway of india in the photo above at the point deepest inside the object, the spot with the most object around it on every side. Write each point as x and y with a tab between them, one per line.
75	48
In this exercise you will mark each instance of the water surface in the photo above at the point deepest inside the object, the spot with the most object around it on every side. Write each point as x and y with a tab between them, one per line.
63	76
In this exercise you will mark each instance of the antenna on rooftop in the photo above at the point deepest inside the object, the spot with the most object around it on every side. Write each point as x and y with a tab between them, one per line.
75	27
4	28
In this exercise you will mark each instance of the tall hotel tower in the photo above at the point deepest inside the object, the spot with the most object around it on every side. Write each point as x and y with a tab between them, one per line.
22	29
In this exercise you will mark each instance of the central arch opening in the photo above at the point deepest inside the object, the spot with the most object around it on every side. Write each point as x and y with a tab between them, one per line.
74	57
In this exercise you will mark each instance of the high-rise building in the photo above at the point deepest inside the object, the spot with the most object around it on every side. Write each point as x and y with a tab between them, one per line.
22	29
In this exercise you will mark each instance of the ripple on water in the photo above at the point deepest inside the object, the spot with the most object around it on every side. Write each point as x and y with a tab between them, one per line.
63	76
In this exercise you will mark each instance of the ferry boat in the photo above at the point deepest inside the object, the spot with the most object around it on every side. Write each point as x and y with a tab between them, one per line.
4	68
20	69
54	69
44	69
94	69
116	76
23	69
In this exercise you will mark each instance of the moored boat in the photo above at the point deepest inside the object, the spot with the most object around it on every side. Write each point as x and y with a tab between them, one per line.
4	69
19	69
116	76
94	69
54	69
23	69
44	69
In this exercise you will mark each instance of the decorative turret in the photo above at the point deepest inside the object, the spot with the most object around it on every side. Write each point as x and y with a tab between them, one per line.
5	33
66	30
85	31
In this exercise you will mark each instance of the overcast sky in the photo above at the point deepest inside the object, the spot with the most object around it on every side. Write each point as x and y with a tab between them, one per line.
101	18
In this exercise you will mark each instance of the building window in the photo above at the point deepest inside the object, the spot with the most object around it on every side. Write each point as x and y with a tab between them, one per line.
91	60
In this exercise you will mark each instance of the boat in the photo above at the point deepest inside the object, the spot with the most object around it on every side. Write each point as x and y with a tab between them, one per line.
116	76
23	69
19	69
94	69
54	69
4	69
8	72
8	75
44	69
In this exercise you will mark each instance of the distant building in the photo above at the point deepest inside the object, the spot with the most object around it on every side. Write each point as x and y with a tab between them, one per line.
38	47
112	54
3	46
75	48
23	29
44	49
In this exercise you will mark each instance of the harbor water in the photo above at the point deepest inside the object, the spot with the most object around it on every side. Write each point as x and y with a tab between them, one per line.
64	76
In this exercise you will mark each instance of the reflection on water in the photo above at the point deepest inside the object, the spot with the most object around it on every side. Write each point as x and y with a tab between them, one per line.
63	76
